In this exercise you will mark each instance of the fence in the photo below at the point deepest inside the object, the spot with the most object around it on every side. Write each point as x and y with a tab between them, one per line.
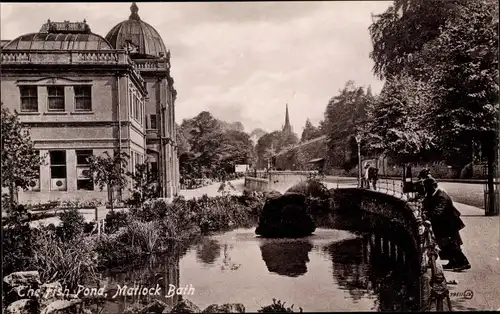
434	290
435	293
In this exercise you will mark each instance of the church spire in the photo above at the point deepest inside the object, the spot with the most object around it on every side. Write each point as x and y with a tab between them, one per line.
287	127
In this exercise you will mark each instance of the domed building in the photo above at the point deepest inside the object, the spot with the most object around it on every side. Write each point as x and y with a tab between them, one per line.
137	36
82	94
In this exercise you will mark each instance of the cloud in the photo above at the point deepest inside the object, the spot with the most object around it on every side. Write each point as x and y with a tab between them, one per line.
241	60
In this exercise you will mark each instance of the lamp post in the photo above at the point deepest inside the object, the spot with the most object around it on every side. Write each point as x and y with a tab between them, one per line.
358	141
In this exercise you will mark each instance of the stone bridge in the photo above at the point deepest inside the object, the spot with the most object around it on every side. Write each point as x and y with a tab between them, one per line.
389	217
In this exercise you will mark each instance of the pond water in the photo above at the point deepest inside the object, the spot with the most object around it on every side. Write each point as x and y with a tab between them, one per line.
332	270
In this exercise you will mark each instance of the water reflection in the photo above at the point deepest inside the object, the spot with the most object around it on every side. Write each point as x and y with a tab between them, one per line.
330	271
350	269
286	258
364	269
208	251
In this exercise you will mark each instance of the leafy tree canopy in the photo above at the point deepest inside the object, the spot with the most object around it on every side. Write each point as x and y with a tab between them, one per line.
20	161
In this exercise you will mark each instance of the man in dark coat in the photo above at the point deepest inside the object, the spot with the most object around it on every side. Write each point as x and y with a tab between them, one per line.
372	177
438	207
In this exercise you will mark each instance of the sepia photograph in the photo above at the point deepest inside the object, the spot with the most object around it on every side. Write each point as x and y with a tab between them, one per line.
250	156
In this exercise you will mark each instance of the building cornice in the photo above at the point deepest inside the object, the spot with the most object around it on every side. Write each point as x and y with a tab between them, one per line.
65	124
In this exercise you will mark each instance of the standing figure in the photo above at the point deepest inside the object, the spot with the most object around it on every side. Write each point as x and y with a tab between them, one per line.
438	207
365	183
419	185
372	177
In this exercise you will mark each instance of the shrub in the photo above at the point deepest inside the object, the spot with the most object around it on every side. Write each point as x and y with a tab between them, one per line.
277	307
137	238
150	211
72	224
69	262
17	238
115	220
144	235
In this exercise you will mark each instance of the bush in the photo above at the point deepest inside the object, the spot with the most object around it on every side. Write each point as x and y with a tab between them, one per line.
150	211
17	238
69	262
72	224
115	220
137	238
277	307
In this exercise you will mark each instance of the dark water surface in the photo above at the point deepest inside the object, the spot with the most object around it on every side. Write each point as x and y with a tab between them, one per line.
332	270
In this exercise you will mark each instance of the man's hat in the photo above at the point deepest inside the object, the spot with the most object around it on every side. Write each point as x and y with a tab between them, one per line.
430	181
424	173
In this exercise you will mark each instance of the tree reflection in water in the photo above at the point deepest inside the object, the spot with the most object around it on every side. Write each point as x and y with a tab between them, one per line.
286	258
154	269
208	251
372	274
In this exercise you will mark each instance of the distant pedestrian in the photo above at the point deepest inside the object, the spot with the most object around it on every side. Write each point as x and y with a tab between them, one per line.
372	177
364	182
446	223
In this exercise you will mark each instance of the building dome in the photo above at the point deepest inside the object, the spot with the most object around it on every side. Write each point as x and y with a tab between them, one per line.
40	41
137	36
60	36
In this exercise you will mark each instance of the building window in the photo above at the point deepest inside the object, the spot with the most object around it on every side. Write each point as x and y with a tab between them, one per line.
84	178
137	109
131	102
154	169
141	113
56	98
83	97
58	170
29	98
153	121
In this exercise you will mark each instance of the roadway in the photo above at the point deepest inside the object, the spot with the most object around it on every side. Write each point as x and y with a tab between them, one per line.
466	193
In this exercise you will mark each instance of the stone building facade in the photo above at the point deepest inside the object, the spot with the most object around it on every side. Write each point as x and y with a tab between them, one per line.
82	94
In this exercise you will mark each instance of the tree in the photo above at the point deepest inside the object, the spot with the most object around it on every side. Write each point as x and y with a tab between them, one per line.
343	115
258	133
20	161
109	171
144	184
215	146
397	120
205	136
287	140
452	46
403	29
181	140
236	148
310	132
266	147
464	70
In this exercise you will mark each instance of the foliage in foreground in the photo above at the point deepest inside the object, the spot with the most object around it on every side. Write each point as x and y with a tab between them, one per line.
278	307
20	161
155	225
69	262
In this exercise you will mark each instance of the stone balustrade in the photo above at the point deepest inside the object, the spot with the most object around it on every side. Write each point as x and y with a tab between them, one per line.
88	57
149	65
63	57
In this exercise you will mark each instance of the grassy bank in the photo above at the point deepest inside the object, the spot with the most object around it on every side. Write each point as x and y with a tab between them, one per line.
71	254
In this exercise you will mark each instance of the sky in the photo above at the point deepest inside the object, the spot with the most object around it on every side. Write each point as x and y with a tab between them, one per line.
241	61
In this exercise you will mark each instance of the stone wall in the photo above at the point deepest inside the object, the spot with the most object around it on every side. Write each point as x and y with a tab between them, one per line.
297	157
276	180
256	184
